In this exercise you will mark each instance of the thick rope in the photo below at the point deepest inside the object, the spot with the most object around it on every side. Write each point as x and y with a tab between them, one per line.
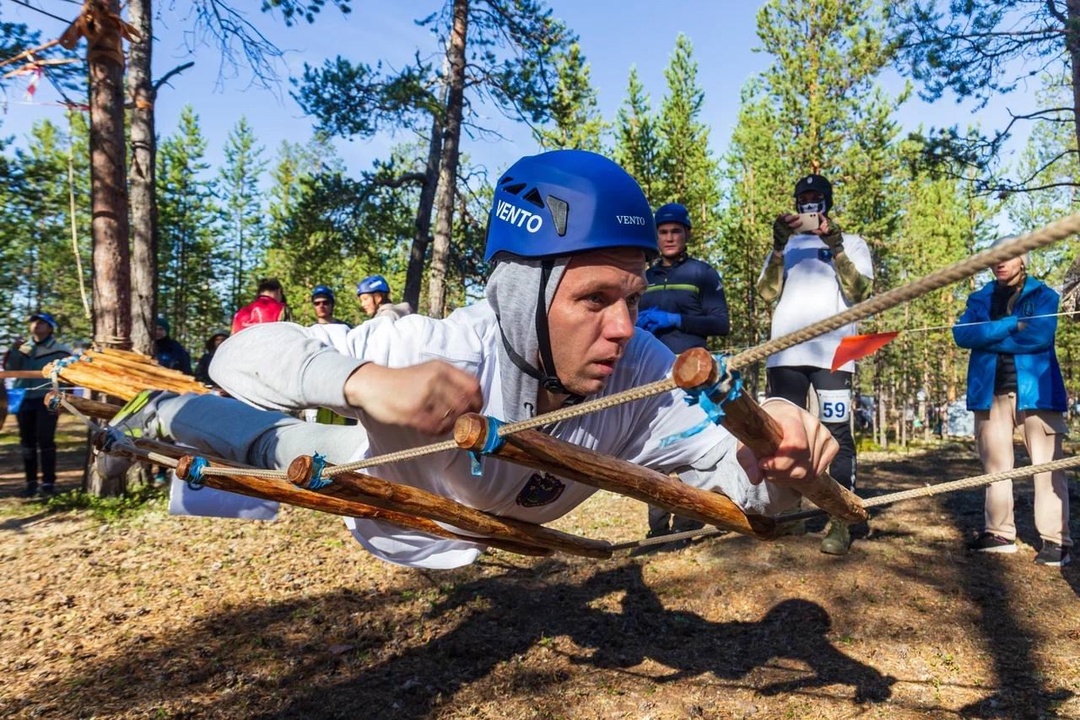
887	499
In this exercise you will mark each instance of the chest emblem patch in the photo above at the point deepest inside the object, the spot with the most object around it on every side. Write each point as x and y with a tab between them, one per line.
540	490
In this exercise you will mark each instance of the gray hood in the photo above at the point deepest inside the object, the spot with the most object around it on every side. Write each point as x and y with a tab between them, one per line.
512	292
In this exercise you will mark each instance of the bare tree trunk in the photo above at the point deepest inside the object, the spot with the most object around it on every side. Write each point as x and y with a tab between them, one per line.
144	232
444	200
109	200
414	275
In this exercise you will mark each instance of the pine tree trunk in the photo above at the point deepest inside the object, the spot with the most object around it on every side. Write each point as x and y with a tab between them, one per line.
444	200
109	201
414	275
141	182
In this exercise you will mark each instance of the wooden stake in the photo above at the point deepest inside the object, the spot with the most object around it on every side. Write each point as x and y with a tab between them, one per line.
746	420
534	449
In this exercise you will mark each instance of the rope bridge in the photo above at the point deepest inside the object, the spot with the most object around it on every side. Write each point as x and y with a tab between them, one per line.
339	489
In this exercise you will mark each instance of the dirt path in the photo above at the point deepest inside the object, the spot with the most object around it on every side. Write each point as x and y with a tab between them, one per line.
166	617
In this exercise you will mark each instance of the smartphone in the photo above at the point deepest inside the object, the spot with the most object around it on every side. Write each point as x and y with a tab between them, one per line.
809	221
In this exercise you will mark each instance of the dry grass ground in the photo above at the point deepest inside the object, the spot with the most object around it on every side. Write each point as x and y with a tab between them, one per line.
153	616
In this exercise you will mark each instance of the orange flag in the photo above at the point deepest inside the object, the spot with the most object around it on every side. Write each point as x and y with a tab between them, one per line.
854	347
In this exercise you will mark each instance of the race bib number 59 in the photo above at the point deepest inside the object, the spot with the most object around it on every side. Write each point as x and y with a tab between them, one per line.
834	406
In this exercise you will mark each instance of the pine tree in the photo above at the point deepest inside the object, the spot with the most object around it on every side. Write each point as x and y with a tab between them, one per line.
637	145
189	261
688	171
242	226
576	121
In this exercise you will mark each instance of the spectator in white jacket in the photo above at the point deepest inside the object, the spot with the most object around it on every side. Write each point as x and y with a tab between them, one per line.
570	232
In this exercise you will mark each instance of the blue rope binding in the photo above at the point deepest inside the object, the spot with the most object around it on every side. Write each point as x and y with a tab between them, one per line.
492	442
195	473
711	399
62	363
318	464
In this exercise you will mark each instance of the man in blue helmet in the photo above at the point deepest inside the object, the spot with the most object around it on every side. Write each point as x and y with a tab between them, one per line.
373	293
683	307
323	302
814	273
37	425
569	232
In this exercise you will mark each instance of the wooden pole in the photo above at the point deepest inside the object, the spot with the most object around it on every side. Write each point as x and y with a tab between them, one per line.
380	493
746	420
534	449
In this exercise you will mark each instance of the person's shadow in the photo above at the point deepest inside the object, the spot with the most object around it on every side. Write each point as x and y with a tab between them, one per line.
520	613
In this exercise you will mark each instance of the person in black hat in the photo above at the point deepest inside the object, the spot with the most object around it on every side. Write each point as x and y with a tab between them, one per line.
815	271
167	351
37	426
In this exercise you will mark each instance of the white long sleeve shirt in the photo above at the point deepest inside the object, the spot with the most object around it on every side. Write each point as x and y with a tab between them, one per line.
284	366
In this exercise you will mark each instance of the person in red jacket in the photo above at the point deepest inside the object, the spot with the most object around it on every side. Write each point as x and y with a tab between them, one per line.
269	306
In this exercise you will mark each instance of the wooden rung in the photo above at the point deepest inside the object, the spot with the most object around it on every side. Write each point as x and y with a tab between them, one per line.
535	449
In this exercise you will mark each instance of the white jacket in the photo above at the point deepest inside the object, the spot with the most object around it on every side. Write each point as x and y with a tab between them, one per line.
811	293
310	366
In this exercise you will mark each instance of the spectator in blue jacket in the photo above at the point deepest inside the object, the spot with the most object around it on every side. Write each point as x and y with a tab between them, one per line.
683	307
1014	381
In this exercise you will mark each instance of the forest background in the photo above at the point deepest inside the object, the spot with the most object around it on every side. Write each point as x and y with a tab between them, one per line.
485	81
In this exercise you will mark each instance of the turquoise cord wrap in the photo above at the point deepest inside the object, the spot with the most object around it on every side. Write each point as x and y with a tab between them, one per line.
195	473
711	399
492	442
54	376
318	464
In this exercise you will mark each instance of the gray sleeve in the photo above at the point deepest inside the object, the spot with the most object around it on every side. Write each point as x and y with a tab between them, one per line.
282	366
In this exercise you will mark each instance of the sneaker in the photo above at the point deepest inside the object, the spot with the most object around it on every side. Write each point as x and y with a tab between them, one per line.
47	490
991	543
1053	555
137	419
29	491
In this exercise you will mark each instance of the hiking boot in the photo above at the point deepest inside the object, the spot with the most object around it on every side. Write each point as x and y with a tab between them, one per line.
29	491
1053	555
47	490
991	543
837	539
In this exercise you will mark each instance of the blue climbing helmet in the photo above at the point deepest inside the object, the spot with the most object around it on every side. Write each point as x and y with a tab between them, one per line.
323	291
814	183
673	213
564	202
45	318
161	322
373	284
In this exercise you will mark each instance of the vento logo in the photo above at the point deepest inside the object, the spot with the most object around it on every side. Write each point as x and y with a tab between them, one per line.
518	217
630	219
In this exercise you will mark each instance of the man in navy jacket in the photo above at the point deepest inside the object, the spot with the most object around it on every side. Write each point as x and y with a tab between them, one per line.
683	306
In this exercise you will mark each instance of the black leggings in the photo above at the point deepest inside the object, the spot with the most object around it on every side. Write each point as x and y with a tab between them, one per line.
37	434
794	383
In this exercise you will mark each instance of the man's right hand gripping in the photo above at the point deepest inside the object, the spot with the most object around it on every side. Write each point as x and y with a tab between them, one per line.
427	397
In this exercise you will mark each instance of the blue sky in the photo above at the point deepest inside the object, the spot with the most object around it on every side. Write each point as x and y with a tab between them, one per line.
615	35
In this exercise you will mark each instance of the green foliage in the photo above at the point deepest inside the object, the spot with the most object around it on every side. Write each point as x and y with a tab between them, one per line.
243	232
294	10
980	51
109	509
189	258
574	109
38	257
637	143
